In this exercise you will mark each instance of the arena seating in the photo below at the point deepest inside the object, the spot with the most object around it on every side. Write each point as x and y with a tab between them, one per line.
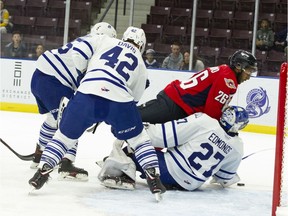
222	27
232	20
46	18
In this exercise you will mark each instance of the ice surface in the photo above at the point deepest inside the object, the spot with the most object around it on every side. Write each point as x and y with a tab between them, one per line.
20	130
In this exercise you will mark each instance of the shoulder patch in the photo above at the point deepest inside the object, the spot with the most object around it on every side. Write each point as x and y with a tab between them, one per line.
230	83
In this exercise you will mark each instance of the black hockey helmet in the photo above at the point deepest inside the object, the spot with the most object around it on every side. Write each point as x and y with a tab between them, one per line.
243	62
242	59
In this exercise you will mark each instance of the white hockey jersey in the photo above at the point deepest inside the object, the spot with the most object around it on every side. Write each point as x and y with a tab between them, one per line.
198	148
116	71
69	61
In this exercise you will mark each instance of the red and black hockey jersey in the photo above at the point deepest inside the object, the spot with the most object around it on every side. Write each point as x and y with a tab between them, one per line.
207	91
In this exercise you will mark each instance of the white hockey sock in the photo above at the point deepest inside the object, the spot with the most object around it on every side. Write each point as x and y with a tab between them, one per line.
71	153
46	134
146	156
56	149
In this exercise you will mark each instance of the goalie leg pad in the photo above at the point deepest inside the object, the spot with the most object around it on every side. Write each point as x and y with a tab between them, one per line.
123	182
117	164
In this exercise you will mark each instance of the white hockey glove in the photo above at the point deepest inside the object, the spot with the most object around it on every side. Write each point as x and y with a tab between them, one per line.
225	183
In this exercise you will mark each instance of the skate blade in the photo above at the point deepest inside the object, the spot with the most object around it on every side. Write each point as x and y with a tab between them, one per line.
78	178
158	196
34	165
32	189
110	183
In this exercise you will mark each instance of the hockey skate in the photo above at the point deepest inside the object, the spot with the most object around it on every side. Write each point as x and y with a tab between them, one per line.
67	171
40	177
122	182
154	183
37	157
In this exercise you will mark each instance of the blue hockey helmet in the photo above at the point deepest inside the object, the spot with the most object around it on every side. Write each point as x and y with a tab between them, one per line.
234	118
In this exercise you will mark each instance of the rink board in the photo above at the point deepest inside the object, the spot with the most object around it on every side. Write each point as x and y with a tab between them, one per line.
259	95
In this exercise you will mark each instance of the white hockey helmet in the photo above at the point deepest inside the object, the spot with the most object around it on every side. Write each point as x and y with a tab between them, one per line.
136	35
234	118
103	28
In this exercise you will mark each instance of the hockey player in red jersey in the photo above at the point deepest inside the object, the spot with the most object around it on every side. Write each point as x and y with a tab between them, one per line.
208	91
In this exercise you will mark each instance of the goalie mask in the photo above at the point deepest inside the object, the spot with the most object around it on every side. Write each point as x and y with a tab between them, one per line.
233	119
103	28
137	36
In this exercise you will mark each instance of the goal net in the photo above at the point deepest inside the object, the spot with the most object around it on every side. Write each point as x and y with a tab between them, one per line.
280	188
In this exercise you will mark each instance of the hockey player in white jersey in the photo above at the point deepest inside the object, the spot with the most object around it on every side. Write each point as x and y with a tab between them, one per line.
114	82
197	147
57	75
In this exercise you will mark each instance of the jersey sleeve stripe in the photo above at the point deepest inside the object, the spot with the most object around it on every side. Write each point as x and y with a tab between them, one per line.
90	47
67	70
57	70
164	135
81	52
174	133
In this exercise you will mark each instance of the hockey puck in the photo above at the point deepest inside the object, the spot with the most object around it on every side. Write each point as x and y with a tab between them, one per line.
240	184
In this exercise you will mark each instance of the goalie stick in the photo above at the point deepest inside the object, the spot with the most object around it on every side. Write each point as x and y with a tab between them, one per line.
245	157
22	157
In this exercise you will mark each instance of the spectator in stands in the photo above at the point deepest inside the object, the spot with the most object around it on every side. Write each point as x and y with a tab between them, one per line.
264	36
150	60
197	64
5	25
175	58
281	40
16	48
38	51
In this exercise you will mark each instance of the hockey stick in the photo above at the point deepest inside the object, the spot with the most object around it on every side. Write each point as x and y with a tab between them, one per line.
22	157
245	157
93	128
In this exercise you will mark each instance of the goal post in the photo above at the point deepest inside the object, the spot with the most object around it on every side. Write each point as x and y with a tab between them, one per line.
280	187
